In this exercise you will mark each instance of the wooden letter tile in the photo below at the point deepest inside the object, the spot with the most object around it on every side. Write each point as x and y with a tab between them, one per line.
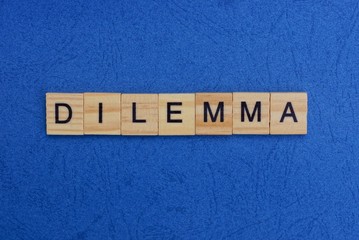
64	114
102	113
214	113
176	114
139	114
288	113
251	113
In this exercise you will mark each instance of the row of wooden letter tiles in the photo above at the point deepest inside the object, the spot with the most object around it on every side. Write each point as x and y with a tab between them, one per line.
176	114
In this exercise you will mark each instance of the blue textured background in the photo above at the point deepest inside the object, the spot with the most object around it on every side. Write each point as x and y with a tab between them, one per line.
201	187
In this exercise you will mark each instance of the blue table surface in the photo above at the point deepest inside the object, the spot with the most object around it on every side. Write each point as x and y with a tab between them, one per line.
200	187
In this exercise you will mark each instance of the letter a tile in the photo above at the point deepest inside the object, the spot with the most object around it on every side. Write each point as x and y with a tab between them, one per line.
288	113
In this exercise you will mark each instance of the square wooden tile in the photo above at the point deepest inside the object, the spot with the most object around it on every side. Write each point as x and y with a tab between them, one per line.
176	114
214	113
251	113
139	114
64	113
288	113
102	113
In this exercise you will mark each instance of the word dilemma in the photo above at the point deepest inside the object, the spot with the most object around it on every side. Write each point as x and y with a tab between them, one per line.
176	114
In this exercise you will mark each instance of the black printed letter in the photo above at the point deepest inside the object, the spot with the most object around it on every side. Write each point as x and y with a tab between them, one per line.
100	112
207	108
169	112
68	119
244	108
290	114
134	115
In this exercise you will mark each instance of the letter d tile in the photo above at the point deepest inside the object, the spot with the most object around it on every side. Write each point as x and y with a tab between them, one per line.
64	113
